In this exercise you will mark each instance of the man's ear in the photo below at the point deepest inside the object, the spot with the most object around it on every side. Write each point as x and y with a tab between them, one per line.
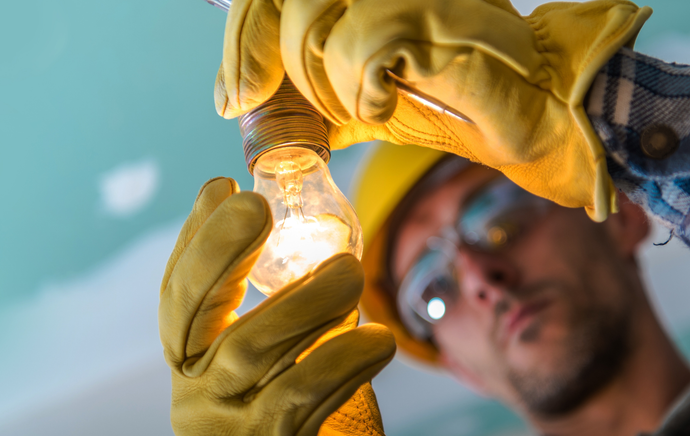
629	227
464	375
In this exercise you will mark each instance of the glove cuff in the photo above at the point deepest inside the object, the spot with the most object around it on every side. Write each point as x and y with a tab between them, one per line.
359	415
577	40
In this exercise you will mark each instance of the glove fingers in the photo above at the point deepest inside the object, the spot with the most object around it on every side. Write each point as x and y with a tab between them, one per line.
271	336
416	40
213	193
252	70
329	376
302	349
349	323
208	280
307	24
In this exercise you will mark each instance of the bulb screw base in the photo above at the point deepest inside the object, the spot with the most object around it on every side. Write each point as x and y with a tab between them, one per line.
286	120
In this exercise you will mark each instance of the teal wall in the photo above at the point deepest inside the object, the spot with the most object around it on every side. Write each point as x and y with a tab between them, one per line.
84	87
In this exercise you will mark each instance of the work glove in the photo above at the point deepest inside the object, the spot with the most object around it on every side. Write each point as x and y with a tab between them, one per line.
238	375
522	80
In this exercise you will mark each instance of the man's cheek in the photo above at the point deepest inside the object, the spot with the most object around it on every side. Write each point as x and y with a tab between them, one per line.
468	345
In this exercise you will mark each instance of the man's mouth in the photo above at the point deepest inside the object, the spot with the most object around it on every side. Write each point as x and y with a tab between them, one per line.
521	316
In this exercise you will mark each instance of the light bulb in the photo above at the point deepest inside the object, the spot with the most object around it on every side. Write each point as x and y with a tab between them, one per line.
286	149
312	219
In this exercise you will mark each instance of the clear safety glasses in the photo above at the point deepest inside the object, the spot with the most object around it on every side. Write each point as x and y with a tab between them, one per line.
489	221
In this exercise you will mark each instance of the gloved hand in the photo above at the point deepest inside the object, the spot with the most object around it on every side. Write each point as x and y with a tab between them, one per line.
522	80
238	375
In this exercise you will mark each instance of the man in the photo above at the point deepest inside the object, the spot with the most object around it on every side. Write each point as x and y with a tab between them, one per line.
542	308
546	313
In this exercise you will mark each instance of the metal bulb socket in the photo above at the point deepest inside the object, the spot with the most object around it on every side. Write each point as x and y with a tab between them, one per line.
287	119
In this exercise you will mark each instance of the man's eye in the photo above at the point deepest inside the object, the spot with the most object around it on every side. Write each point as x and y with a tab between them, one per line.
442	286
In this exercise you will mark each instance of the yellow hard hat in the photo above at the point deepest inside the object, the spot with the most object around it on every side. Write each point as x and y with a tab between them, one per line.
385	176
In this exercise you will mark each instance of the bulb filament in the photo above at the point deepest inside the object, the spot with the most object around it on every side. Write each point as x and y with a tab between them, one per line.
290	179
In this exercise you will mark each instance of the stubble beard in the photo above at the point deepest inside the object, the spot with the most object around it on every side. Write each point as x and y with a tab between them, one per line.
596	352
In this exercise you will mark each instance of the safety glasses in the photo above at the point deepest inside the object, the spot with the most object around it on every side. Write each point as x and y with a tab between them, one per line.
489	221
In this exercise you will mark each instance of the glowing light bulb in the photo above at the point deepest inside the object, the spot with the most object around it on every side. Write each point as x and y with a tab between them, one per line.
285	144
312	219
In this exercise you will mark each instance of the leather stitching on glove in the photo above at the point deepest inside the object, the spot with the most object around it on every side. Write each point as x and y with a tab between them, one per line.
449	142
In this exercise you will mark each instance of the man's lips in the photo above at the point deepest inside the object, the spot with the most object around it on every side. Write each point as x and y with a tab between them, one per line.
521	314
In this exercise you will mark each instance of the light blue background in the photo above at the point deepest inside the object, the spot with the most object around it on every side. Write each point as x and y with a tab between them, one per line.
93	91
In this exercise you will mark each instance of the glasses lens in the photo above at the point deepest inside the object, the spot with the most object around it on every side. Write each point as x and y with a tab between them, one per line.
498	214
438	295
429	289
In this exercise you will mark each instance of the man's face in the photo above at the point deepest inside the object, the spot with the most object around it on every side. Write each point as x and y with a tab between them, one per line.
544	323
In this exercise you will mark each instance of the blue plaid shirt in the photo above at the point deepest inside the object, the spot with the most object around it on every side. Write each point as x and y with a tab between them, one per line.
640	107
633	98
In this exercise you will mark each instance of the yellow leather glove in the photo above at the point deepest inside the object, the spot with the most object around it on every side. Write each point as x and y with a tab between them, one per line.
238	375
522	80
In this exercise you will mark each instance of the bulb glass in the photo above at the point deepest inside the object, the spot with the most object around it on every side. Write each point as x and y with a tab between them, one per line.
312	219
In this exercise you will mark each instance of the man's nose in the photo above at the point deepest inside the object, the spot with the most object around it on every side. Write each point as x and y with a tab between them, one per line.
486	277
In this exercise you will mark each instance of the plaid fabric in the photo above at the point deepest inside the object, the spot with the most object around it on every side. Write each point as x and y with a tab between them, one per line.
633	92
